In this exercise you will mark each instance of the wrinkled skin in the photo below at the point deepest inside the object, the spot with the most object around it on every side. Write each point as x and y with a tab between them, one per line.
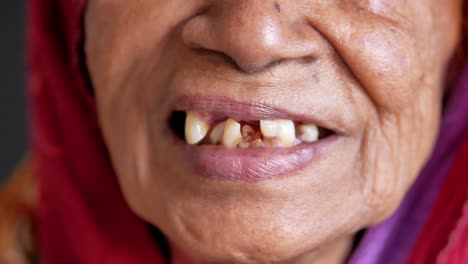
376	68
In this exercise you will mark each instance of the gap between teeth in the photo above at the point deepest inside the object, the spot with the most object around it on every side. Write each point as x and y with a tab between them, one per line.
230	133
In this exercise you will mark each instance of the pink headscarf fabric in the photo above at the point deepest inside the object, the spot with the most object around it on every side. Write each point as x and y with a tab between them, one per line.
82	216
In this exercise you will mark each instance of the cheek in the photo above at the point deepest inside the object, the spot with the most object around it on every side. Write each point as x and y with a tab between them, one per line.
384	68
131	143
402	127
392	70
398	93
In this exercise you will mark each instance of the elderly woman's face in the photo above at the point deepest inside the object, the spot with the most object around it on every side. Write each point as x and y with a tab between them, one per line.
367	74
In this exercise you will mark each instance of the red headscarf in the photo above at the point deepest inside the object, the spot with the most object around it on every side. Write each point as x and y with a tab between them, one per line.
82	216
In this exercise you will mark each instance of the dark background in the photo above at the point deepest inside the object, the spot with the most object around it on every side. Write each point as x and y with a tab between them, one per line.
13	140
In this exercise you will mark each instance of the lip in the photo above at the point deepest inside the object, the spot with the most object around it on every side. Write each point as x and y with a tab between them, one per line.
256	164
252	164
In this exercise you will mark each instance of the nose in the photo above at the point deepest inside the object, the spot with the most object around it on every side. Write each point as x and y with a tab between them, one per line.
252	34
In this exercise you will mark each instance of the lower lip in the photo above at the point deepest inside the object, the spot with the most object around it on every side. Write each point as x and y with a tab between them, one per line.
255	164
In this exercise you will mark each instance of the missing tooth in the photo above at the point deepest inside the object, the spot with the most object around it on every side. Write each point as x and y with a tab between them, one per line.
323	133
177	124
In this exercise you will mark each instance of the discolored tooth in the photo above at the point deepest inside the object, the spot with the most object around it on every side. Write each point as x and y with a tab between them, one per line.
195	128
244	144
257	143
232	134
308	133
282	129
249	136
270	142
217	134
247	131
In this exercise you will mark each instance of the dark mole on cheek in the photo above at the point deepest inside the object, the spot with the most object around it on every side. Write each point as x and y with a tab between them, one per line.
277	7
316	78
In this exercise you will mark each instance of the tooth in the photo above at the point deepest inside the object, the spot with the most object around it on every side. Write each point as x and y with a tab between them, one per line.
287	134
232	134
283	130
249	137
270	142
247	131
195	128
308	133
244	144
269	128
257	143
217	134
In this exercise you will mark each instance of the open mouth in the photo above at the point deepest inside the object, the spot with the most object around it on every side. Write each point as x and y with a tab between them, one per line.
201	128
228	140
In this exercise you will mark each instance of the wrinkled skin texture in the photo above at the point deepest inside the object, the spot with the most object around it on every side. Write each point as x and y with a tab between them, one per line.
376	68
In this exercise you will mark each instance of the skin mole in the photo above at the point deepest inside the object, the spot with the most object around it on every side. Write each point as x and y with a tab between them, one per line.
277	7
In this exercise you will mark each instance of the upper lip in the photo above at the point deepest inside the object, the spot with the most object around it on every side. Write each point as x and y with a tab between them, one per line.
224	107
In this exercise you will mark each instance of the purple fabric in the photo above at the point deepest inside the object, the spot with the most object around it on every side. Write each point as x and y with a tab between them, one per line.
392	240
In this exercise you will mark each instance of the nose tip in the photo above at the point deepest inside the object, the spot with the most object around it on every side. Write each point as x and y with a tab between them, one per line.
252	34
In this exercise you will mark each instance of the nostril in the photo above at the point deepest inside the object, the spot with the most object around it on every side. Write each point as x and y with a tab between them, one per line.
177	124
244	68
221	55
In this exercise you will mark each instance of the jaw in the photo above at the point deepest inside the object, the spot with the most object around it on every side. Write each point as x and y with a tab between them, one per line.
272	220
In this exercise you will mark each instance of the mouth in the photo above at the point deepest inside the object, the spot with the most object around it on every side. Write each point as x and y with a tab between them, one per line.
223	139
